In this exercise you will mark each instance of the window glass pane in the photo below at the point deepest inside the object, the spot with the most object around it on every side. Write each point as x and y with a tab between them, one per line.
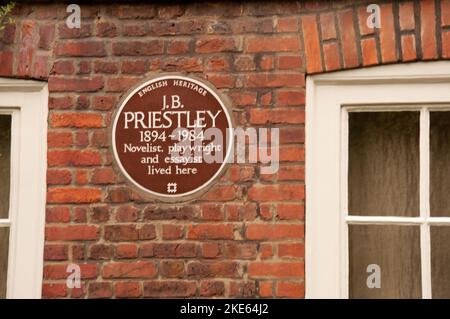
440	163
4	242
383	177
440	261
395	250
5	163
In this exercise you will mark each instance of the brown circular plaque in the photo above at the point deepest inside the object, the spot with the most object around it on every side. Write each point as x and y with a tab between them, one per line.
171	136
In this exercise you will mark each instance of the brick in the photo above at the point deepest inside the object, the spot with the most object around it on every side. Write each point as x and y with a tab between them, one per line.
46	36
242	289
134	11
105	67
62	103
445	13
276	115
40	68
273	44
134	67
331	56
54	290
9	34
290	289
104	175
79	120
127	289
328	26
212	288
26	45
170	289
100	214
121	83
139	269
289	62
73	158
127	213
409	48
244	63
81	49
6	65
239	251
147	232
214	45
222	81
121	233
221	193
292	135
100	252
286	173
59	271
100	290
266	251
265	288
106	29
243	98
57	214
290	211
265	80
64	32
71	232
178	47
274	231
292	250
287	24
446	44
406	15
292	154
58	177
119	195
172	269
212	212
276	269
172	232
348	39
211	250
73	195
175	250
58	84
126	251
56	252
134	30
369	51
266	62
104	102
59	139
183	64
138	48
387	35
63	67
210	231
428	29
312	46
241	173
226	269
363	15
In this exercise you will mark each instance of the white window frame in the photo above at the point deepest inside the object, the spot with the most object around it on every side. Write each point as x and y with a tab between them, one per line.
417	86
27	102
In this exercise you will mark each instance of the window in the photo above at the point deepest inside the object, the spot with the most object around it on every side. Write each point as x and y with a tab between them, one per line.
23	123
377	179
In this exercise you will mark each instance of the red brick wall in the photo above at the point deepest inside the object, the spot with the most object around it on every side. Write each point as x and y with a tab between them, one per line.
245	237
